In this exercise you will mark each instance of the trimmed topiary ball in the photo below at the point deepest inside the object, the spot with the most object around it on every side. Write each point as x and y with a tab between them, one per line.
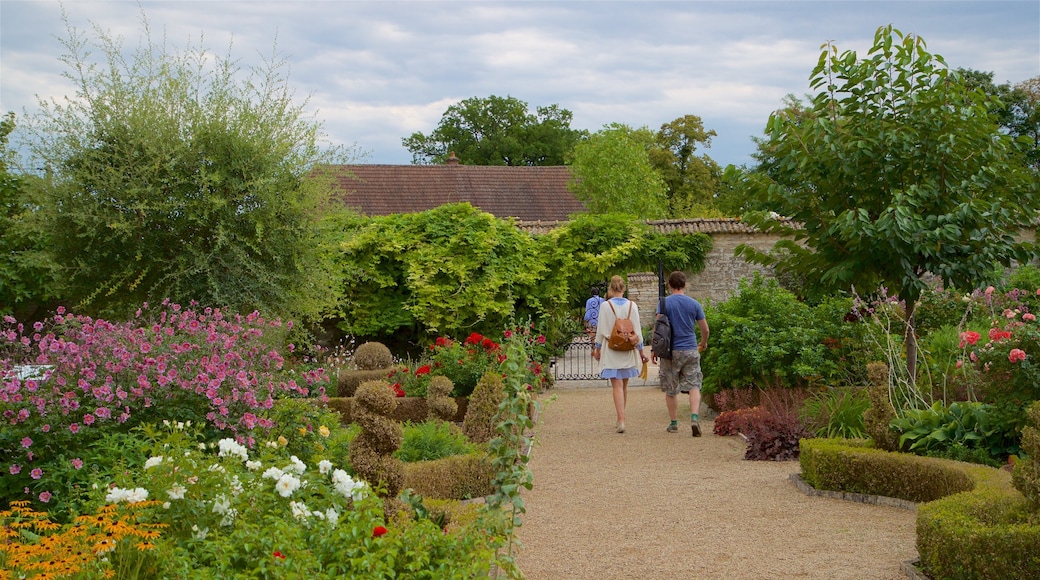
372	356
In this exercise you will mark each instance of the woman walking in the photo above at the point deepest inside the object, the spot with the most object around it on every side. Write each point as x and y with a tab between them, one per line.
618	365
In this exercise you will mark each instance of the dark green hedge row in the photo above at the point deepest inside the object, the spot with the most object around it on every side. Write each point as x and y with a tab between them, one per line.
971	523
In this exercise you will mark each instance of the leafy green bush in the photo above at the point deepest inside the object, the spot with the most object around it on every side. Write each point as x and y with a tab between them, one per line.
837	412
432	440
938	429
764	336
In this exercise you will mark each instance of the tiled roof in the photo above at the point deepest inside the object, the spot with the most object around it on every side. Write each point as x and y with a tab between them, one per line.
524	193
686	226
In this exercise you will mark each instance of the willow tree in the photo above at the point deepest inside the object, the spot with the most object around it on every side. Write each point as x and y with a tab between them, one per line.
895	170
177	174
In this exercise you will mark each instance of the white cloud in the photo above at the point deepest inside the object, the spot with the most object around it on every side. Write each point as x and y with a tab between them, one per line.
376	72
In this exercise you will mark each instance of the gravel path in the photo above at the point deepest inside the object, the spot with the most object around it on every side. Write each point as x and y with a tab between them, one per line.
651	504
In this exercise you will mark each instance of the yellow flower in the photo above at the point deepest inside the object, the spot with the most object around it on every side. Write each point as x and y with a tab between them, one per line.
282	441
303	430
324	431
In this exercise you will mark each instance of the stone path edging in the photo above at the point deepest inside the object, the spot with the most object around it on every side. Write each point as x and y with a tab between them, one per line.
807	489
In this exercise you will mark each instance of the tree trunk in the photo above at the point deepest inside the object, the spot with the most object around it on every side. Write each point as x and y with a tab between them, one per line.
911	341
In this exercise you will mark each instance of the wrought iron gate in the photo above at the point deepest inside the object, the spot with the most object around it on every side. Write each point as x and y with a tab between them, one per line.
577	363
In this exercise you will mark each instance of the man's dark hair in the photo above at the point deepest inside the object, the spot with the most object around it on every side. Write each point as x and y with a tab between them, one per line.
677	280
595	291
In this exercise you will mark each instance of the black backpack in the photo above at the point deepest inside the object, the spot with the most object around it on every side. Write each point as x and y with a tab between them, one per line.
661	344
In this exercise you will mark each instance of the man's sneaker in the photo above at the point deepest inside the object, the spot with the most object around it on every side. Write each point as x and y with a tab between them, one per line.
672	428
696	428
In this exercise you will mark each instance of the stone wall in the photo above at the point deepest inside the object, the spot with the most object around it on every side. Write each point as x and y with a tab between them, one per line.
720	279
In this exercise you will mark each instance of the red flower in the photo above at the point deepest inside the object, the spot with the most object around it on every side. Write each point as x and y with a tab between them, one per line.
423	370
378	531
442	342
509	333
474	338
997	334
278	554
540	339
397	390
970	337
490	345
1017	355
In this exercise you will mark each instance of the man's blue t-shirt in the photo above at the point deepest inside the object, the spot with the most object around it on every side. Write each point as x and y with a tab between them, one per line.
592	309
683	313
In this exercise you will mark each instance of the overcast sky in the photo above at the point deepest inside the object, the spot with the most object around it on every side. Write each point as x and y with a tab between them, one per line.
377	72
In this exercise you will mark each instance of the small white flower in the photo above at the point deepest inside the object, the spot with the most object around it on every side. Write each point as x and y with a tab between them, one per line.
166	505
299	510
217	467
253	465
136	495
176	491
332	516
221	504
273	473
287	484
202	446
272	444
200	534
296	466
153	461
230	447
236	485
324	466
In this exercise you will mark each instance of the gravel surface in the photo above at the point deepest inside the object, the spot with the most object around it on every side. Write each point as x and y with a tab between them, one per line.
651	504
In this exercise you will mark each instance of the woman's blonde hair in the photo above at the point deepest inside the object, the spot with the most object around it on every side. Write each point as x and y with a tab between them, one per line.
616	288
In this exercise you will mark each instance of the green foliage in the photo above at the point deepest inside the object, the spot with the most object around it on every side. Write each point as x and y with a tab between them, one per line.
917	150
497	131
1026	474
449	270
613	174
936	429
455	270
372	356
28	273
509	450
464	363
691	180
430	440
837	412
764	336
175	175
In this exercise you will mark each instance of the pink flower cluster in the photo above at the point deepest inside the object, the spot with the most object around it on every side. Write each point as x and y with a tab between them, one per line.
93	372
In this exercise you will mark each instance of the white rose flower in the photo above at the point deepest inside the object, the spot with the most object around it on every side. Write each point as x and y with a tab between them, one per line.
324	466
176	491
287	484
153	461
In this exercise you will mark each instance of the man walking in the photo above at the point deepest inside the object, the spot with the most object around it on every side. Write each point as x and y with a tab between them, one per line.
682	373
592	312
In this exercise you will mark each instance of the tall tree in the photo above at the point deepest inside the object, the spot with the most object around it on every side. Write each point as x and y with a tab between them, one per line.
1017	108
28	273
897	170
176	175
612	173
497	131
692	180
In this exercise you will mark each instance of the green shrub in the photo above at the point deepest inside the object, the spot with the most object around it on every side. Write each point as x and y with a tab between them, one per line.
837	412
764	336
989	532
456	477
439	403
479	423
432	440
372	356
973	524
853	466
1026	474
972	425
877	419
